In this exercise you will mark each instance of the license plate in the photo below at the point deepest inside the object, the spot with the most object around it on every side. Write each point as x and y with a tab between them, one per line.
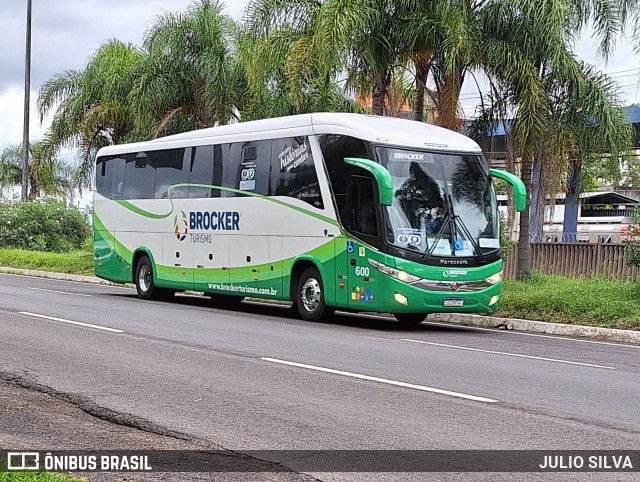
453	302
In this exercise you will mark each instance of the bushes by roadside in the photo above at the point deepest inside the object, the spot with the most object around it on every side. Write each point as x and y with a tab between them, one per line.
46	225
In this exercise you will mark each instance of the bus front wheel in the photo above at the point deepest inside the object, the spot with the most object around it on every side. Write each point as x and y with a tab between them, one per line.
409	320
147	290
310	296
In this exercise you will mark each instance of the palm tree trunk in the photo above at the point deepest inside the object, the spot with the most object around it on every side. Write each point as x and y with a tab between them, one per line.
422	71
449	97
32	190
536	212
524	248
418	110
571	205
379	94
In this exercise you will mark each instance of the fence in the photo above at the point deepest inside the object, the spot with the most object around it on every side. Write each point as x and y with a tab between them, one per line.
578	260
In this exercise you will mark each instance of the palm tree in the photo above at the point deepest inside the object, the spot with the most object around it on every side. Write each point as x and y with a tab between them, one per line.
560	106
188	78
48	174
291	66
90	107
355	39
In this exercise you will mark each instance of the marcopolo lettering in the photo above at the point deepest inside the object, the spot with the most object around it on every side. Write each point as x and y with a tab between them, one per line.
215	220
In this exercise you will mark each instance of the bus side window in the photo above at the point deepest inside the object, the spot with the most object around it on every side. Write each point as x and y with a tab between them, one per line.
172	167
206	170
104	176
334	150
293	172
110	177
361	206
249	167
139	177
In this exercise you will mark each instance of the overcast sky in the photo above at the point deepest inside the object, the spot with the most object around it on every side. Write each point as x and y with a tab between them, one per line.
66	32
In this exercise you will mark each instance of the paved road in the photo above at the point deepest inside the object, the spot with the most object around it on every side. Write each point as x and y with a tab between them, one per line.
258	378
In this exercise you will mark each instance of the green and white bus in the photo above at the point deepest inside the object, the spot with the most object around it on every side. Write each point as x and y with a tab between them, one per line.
327	210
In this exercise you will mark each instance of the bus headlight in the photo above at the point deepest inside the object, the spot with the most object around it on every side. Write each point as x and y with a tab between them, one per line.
406	277
394	273
493	279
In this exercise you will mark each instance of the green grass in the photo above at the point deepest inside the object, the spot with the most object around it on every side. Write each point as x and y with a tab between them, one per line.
36	477
74	262
588	301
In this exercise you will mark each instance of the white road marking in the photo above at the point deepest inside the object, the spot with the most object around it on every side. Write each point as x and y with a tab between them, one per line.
62	320
63	292
382	380
509	354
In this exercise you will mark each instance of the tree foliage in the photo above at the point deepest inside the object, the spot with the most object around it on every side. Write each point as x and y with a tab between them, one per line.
49	175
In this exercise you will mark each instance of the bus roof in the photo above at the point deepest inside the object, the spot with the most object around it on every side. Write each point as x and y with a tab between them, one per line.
383	130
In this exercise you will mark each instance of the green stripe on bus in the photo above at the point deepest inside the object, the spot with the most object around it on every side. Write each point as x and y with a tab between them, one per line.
147	214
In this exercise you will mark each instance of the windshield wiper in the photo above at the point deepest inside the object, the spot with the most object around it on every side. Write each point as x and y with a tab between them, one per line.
454	222
445	222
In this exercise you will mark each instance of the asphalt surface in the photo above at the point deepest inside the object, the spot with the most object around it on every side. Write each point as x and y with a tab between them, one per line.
257	378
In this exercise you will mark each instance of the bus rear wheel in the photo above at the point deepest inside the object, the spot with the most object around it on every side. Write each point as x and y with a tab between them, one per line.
409	320
225	301
310	296
147	290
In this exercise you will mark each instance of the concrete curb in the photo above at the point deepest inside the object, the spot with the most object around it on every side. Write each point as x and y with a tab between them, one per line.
543	327
528	326
61	276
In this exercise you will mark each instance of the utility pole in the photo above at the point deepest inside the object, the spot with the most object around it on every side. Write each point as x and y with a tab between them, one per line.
27	92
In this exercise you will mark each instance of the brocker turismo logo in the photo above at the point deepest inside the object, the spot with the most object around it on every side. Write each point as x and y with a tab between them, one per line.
181	225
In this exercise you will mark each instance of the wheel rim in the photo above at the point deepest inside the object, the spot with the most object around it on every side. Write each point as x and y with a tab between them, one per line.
144	278
311	295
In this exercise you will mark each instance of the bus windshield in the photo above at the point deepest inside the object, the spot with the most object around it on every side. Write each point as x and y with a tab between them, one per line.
444	205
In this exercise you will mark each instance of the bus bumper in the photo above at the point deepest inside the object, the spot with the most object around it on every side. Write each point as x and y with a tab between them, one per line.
400	297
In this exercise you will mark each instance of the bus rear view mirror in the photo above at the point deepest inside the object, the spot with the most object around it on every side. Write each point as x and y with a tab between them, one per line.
380	173
519	189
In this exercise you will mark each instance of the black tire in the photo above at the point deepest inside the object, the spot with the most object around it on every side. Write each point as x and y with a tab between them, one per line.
409	320
309	299
227	302
147	290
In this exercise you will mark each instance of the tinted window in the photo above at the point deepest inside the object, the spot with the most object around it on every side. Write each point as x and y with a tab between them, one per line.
249	167
104	175
172	167
139	177
293	173
334	149
361	206
206	170
110	177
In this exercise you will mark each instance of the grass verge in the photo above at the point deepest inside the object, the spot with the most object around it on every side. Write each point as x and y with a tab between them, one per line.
36	477
74	262
588	301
